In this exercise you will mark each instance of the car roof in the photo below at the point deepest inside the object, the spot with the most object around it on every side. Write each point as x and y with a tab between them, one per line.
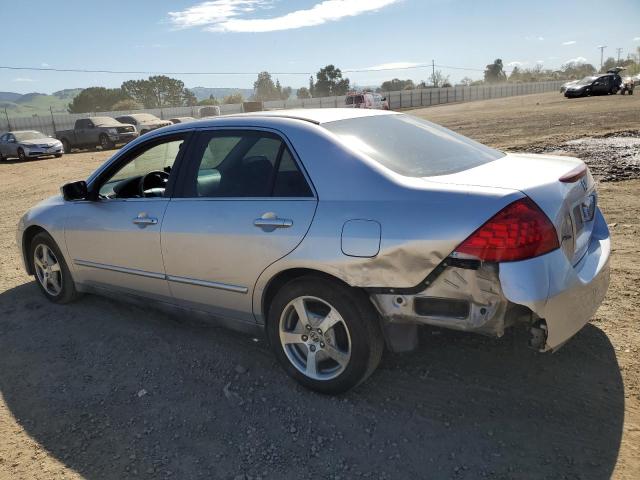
318	115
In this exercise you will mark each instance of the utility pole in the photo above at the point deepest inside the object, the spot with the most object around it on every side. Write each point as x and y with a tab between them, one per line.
53	121
7	115
601	47
619	50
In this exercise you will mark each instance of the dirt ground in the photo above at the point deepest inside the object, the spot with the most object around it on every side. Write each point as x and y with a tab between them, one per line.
100	389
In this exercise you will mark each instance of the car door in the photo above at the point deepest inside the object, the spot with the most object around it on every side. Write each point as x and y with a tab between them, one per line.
11	147
114	240
3	144
245	203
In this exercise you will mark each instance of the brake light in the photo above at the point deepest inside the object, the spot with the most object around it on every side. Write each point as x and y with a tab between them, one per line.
518	232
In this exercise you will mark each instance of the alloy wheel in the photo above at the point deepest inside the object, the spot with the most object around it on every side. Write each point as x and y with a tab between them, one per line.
315	338
47	269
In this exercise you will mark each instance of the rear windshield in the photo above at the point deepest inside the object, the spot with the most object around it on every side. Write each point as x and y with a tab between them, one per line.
357	99
410	146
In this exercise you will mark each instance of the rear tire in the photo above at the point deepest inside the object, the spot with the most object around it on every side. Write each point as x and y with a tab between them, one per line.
50	270
66	146
337	346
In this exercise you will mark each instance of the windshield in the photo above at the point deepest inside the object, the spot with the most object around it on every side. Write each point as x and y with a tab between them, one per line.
105	122
357	99
29	135
411	146
145	117
586	81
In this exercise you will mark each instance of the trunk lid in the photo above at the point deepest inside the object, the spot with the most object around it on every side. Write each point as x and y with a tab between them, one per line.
569	205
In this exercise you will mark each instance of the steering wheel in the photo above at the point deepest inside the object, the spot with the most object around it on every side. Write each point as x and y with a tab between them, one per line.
153	183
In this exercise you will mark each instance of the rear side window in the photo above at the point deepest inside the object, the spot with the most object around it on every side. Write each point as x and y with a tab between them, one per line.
245	164
410	146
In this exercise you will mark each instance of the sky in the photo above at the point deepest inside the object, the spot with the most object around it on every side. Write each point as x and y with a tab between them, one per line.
296	38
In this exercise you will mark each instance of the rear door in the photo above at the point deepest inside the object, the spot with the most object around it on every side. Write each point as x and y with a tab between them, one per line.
245	203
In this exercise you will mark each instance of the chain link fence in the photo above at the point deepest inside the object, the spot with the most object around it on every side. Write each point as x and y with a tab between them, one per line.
397	100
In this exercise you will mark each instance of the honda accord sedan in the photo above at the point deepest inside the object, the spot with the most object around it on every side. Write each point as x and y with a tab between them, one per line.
335	232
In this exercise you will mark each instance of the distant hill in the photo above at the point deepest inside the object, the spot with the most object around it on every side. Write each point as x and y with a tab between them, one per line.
204	92
30	104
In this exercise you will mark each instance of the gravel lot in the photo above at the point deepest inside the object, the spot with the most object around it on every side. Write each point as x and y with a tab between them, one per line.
99	389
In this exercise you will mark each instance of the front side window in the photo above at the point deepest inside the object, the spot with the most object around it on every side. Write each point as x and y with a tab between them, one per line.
146	174
245	164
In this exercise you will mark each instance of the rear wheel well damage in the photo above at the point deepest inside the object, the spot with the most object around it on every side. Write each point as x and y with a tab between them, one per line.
27	238
286	276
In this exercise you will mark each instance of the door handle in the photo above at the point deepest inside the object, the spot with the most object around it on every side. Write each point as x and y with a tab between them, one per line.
269	222
143	221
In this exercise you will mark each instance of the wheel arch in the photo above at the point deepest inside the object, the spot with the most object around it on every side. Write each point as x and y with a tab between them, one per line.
27	237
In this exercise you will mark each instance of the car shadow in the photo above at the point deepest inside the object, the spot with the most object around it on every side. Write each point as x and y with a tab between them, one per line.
14	161
113	391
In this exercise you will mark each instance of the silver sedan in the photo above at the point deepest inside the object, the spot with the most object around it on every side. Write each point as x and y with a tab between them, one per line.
25	144
335	232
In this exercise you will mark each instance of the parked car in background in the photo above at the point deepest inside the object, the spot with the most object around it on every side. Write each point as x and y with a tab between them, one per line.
209	111
181	120
91	132
25	144
605	84
143	122
564	86
627	86
334	232
366	100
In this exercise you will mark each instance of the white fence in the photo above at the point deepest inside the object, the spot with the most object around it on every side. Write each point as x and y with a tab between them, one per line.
397	100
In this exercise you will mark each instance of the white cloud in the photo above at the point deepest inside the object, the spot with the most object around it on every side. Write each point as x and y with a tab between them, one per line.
230	15
516	64
636	39
23	79
44	65
577	60
569	42
540	61
392	66
534	37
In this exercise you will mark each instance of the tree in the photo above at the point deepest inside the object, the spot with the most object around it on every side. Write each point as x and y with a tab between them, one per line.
609	63
494	72
209	101
396	84
577	70
303	93
127	104
330	82
438	79
312	87
264	88
466	81
515	74
233	98
159	91
96	99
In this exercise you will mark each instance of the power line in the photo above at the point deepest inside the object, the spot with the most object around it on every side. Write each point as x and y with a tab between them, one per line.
150	72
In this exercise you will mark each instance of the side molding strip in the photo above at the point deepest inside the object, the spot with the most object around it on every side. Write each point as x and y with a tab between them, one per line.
204	283
162	276
131	271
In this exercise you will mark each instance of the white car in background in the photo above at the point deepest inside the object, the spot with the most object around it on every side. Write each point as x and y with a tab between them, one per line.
25	144
143	122
366	100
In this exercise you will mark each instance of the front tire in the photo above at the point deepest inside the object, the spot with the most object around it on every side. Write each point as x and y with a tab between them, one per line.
21	156
50	270
105	143
325	335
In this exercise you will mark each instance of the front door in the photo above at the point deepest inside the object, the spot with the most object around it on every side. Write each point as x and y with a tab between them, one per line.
245	204
114	241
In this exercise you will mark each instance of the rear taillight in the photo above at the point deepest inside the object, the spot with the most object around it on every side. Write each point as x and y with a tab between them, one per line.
517	232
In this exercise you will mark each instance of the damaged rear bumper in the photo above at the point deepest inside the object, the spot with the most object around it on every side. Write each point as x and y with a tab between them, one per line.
544	291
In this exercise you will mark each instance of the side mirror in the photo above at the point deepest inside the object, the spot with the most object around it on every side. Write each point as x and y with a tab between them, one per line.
75	191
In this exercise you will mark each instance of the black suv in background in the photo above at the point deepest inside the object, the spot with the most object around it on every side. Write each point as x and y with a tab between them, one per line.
604	84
